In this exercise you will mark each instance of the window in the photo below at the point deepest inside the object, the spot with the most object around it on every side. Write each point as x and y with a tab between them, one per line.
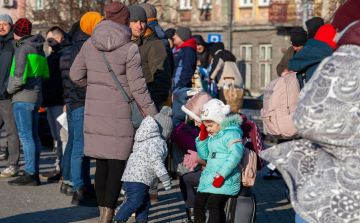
265	59
39	4
185	5
246	65
246	3
264	2
205	4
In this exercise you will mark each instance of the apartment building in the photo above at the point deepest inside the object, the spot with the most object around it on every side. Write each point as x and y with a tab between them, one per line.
14	8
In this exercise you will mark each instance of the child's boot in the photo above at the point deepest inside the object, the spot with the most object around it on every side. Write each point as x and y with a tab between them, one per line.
190	215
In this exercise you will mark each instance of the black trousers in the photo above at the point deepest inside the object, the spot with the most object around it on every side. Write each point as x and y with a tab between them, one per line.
215	204
108	181
187	183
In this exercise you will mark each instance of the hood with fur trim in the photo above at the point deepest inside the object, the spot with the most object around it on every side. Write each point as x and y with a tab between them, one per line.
231	120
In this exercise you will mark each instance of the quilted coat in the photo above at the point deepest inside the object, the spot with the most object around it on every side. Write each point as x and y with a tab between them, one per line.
322	170
221	159
146	162
108	129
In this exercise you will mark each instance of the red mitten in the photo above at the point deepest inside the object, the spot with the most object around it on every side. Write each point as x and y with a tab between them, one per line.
218	181
203	133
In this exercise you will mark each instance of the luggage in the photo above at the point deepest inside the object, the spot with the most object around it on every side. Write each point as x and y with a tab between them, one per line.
180	97
241	209
247	165
280	102
255	142
231	95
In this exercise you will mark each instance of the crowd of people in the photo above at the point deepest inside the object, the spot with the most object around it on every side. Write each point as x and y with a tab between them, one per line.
106	68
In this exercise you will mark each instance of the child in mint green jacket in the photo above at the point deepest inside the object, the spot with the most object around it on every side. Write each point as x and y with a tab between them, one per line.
221	178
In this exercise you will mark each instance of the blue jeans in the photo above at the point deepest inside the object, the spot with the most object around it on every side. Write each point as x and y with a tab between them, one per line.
80	164
299	219
26	118
138	201
68	149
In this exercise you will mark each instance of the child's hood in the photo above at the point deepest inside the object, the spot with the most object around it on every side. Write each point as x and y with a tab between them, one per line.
231	122
148	129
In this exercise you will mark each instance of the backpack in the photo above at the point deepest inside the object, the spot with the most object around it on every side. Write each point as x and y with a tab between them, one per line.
247	165
255	142
279	104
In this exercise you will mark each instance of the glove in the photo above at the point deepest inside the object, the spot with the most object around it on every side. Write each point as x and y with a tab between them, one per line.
190	160
167	185
203	133
218	181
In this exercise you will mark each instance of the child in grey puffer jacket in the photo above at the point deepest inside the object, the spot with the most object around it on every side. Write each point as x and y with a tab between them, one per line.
146	163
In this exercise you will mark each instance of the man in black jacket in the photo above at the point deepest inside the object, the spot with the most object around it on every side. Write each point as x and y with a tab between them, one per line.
156	66
6	107
53	95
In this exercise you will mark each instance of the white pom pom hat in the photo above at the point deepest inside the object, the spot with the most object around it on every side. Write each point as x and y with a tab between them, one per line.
215	110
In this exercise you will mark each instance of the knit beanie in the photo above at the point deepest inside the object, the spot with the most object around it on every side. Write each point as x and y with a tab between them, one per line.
75	28
215	110
326	34
22	27
6	18
216	47
137	14
346	14
184	33
89	21
170	33
199	40
298	36
194	106
313	26
164	120
149	9
117	12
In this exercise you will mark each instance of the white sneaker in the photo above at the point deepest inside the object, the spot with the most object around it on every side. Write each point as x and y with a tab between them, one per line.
10	172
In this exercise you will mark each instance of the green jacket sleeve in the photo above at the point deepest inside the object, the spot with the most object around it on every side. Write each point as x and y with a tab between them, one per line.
18	66
235	152
202	148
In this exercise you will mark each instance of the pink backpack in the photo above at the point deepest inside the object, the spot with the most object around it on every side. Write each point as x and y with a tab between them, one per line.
279	104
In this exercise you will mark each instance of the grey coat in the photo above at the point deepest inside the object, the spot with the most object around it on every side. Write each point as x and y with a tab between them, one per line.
108	129
322	170
146	162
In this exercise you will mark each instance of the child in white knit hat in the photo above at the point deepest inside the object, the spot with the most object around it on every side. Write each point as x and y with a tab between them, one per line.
215	144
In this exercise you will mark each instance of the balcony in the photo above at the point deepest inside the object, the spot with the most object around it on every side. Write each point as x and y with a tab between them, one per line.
290	12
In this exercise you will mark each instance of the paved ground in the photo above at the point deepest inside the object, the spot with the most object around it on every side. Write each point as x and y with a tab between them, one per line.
45	203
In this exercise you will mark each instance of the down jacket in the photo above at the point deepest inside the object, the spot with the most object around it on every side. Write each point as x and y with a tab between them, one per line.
224	65
108	129
146	162
221	159
322	169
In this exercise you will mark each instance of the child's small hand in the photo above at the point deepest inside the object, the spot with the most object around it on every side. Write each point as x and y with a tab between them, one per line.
218	181
167	185
203	133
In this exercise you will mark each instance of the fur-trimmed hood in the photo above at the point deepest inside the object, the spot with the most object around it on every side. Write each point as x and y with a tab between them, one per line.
230	121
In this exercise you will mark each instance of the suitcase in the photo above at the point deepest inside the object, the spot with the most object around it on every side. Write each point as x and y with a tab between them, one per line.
241	209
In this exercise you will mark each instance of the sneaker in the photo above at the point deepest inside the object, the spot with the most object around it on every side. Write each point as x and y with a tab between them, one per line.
11	171
56	179
25	180
53	173
82	198
272	175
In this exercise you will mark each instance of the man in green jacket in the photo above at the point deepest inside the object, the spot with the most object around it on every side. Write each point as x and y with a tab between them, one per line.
28	69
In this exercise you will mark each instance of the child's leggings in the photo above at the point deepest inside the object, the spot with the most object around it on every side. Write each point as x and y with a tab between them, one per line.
138	202
215	204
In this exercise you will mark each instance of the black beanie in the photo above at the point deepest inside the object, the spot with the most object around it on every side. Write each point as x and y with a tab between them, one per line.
137	13
313	25
75	28
199	40
298	36
170	33
216	47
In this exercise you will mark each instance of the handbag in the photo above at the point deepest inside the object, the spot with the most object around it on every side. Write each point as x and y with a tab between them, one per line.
137	115
232	96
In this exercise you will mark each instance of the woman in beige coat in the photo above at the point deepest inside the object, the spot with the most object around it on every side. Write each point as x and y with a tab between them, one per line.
108	129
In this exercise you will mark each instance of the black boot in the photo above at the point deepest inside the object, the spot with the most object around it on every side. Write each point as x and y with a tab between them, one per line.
25	180
190	215
82	198
69	190
63	188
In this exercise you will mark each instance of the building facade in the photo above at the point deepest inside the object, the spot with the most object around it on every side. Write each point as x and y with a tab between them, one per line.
15	8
